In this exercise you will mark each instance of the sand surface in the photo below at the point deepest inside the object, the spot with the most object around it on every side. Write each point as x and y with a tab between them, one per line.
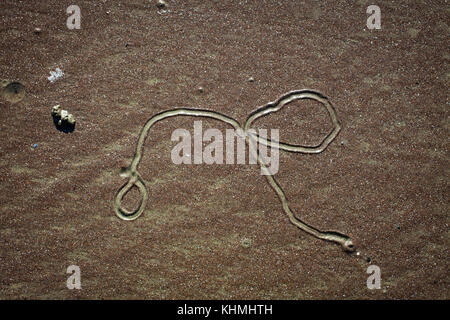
219	231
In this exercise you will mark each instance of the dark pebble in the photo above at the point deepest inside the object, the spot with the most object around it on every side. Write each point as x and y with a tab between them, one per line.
161	4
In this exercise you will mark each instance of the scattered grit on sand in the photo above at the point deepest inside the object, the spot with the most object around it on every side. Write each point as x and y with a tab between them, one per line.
219	231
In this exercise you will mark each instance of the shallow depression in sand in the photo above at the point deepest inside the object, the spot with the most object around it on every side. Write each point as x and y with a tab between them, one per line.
13	92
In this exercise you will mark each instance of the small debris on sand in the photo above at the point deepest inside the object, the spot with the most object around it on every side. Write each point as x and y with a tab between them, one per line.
55	75
246	243
63	119
161	4
64	115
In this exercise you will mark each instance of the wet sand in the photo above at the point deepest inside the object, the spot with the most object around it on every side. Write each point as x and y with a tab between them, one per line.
219	231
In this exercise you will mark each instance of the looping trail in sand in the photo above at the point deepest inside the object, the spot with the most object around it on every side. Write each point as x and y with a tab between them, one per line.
135	180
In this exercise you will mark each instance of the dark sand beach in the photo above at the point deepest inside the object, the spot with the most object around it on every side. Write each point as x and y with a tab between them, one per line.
219	231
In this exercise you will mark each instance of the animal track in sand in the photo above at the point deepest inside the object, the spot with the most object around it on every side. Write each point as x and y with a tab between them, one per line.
135	179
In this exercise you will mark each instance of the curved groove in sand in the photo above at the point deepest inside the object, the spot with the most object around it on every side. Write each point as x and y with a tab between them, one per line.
134	178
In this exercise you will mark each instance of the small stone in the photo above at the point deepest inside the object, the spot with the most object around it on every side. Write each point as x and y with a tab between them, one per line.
125	172
246	243
56	111
251	79
161	4
200	89
62	116
37	30
70	119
